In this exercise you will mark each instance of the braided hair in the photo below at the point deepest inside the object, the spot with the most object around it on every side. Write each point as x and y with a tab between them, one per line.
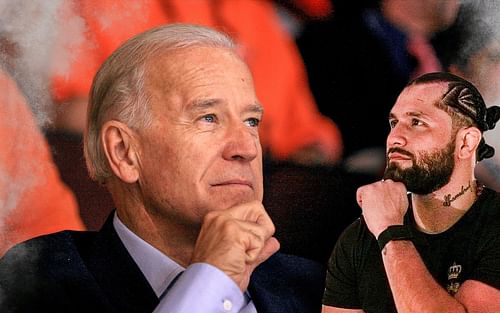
466	104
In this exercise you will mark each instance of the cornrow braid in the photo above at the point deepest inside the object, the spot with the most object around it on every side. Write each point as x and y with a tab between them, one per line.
465	101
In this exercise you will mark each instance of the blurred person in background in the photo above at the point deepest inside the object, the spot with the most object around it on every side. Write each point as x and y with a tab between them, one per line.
33	199
474	53
377	46
40	48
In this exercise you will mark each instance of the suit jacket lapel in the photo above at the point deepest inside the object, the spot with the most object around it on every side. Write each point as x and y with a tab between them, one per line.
288	284
269	291
117	274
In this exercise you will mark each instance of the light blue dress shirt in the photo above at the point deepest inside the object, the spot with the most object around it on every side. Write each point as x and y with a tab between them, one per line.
201	287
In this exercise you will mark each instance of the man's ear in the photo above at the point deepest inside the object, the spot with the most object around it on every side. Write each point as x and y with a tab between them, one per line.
468	140
121	150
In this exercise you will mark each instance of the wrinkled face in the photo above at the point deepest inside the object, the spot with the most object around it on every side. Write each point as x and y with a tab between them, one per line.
420	146
202	152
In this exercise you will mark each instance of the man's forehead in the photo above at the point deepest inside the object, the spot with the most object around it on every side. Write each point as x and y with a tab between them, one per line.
199	78
168	68
428	93
427	90
420	98
172	67
178	58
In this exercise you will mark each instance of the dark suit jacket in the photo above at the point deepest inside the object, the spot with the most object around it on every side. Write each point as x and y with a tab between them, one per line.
92	272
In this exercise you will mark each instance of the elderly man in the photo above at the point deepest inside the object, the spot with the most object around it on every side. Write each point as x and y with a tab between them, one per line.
173	134
438	248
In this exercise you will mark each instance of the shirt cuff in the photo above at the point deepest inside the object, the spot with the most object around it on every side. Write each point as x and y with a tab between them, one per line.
202	288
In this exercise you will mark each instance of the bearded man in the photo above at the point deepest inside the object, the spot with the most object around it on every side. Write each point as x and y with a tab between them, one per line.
429	236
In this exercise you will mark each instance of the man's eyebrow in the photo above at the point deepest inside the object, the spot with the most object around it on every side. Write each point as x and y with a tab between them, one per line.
412	114
418	114
255	108
203	104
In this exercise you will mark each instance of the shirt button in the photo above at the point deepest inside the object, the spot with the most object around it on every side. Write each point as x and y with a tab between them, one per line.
228	305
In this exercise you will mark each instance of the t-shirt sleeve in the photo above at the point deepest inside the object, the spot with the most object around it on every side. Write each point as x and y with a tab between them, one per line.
341	284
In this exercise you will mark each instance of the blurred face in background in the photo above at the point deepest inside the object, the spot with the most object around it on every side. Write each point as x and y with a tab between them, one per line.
483	69
429	16
37	38
444	12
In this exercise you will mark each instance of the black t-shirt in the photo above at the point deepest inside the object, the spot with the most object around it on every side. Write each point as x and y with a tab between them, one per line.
470	249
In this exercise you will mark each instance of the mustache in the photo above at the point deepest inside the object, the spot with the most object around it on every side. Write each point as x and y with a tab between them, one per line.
400	151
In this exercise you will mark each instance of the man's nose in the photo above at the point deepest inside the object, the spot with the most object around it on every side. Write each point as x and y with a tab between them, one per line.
241	144
397	136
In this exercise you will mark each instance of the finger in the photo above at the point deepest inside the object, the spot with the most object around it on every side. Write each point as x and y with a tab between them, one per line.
271	246
255	240
246	211
264	220
250	237
252	245
249	211
253	212
263	233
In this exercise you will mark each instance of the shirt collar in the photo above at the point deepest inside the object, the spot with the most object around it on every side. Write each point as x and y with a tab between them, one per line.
158	268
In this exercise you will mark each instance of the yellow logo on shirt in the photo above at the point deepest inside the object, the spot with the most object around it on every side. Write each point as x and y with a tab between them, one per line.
453	283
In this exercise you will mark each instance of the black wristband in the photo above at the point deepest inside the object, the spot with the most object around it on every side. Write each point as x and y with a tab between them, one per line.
393	232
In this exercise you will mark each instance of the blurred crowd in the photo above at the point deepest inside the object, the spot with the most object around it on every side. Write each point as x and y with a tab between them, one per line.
327	73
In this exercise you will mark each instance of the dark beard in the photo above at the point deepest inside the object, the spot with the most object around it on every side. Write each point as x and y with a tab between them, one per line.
431	172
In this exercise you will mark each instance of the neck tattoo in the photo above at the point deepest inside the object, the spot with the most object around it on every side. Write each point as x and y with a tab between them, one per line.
448	199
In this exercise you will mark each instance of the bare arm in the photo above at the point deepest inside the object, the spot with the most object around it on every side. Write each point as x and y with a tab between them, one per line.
415	290
479	297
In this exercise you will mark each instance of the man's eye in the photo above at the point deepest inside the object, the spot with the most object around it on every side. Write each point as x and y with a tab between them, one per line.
392	123
416	122
253	122
209	118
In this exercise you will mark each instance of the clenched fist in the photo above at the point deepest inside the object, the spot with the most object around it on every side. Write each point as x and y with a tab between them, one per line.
384	203
236	240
